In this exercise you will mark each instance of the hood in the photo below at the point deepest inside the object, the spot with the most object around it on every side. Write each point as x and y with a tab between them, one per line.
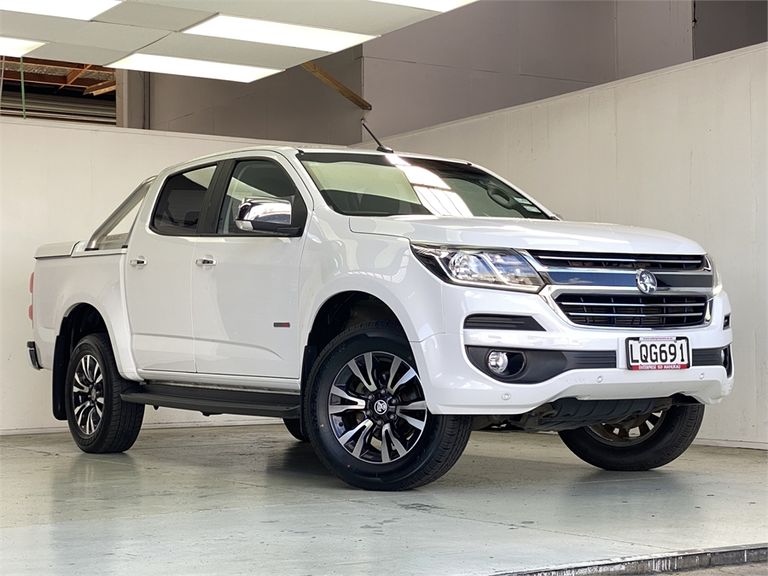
525	234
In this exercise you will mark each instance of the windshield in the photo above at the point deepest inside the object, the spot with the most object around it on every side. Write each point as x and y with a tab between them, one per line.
393	185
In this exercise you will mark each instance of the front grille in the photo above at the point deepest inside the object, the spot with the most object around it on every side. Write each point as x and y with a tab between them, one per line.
666	262
630	311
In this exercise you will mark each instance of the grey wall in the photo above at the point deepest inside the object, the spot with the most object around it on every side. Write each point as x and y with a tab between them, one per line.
483	57
495	54
292	105
129	105
723	25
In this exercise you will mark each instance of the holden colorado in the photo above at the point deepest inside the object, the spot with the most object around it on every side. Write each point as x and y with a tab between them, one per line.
383	306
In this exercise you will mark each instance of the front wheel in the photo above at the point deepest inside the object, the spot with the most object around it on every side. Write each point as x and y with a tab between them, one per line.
99	420
367	417
638	443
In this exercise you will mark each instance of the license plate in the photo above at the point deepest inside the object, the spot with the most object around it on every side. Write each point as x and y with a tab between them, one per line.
658	353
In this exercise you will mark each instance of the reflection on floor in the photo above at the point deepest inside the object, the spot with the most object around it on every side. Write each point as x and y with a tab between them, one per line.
251	500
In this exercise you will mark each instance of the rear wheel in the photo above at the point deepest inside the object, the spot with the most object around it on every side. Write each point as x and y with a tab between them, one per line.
638	443
367	417
99	420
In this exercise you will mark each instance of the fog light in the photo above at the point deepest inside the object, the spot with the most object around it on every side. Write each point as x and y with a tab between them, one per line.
497	362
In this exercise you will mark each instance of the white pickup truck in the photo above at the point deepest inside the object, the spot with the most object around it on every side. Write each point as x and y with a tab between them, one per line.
383	305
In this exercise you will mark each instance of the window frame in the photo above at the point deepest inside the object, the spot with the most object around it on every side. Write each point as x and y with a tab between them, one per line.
205	209
220	193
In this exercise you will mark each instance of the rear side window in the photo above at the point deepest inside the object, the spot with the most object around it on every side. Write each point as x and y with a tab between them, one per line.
180	204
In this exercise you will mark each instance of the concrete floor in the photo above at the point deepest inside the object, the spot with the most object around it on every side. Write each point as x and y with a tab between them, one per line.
743	570
251	500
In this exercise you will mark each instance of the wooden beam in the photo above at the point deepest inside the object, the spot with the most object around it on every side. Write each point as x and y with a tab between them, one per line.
101	88
58	64
326	78
75	73
35	78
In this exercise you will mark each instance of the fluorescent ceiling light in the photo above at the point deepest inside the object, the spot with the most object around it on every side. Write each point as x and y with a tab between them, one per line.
17	46
434	5
278	33
190	67
77	9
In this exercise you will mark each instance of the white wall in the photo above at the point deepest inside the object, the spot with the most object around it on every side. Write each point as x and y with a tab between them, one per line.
58	182
681	149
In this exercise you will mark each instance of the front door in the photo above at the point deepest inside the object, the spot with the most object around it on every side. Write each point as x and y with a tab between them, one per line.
158	274
245	284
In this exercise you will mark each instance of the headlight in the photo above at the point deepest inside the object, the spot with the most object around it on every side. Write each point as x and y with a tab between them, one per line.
497	268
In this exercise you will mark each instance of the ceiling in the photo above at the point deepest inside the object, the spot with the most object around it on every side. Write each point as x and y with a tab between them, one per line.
156	28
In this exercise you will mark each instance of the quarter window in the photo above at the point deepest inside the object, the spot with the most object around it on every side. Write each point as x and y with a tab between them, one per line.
114	232
259	179
181	200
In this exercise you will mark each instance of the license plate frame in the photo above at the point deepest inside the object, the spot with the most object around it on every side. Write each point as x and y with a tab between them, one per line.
656	348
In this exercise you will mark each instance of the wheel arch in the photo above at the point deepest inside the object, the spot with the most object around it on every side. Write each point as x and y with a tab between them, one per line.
339	312
80	319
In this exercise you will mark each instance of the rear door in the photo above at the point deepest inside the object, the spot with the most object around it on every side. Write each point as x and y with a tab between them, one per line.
158	273
246	284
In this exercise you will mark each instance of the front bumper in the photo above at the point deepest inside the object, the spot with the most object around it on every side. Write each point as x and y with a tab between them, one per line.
454	386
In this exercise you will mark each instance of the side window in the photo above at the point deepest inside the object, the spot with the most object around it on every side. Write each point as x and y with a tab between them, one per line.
180	203
259	179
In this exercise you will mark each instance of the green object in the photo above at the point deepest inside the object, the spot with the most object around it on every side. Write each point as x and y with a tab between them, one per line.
23	95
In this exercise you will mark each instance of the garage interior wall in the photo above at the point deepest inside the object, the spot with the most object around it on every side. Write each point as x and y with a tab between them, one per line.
690	141
58	181
292	105
681	149
481	57
723	25
493	55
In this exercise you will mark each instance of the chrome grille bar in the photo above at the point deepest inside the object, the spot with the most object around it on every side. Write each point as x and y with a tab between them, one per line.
624	304
665	262
613	315
633	311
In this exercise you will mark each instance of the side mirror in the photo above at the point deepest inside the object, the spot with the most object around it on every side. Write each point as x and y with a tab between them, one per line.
263	214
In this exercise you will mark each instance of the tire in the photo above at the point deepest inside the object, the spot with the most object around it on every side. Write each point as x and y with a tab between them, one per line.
92	376
398	445
660	438
294	427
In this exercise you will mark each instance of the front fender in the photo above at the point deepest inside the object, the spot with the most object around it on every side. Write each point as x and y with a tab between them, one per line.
381	266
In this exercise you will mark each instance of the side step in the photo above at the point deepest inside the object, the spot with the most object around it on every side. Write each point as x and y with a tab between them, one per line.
215	401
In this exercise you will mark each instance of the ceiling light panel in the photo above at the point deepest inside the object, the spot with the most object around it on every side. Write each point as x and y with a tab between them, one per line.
433	5
17	47
232	51
195	68
76	9
277	33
